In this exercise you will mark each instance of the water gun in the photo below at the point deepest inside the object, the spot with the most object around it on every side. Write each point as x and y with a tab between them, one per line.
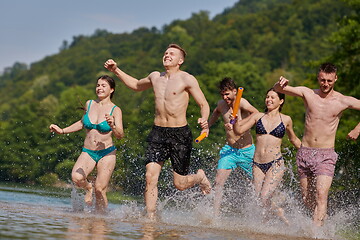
201	137
236	104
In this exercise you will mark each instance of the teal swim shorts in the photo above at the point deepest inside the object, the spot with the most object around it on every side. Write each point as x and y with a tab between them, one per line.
231	158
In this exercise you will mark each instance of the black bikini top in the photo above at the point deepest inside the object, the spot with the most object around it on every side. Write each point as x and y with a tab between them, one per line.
278	132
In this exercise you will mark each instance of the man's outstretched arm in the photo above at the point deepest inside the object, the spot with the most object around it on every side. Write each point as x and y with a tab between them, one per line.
129	81
283	86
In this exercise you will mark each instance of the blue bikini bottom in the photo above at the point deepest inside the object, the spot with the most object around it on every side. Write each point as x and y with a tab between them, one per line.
96	155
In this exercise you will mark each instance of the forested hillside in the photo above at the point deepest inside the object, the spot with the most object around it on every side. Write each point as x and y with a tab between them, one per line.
254	42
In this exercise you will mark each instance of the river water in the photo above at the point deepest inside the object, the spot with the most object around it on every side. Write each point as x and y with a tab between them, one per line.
40	214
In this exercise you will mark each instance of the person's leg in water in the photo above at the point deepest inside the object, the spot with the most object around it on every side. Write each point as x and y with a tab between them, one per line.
230	159
82	168
180	147
272	180
323	184
305	161
153	170
182	182
221	176
308	191
258	180
105	168
316	170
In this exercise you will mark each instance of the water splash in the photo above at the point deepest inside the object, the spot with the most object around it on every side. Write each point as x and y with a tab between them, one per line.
241	211
77	200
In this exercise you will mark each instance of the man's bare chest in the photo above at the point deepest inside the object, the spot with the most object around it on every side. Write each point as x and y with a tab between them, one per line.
324	109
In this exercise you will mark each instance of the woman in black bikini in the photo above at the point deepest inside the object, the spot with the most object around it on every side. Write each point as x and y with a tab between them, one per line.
271	126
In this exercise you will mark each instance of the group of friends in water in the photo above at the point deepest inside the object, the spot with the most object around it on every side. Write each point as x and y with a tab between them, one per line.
171	138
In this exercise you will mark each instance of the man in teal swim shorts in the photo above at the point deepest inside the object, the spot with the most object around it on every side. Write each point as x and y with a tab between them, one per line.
239	149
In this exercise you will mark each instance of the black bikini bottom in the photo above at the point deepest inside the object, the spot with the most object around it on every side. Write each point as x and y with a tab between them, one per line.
264	167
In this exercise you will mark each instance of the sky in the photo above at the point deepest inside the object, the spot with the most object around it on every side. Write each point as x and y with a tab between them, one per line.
33	29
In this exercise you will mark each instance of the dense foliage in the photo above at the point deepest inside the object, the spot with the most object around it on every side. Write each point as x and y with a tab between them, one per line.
253	42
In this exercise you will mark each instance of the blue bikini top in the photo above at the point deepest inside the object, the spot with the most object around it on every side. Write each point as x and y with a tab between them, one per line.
103	127
278	132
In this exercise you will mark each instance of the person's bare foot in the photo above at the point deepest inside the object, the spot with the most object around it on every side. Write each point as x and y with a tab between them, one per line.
205	185
89	194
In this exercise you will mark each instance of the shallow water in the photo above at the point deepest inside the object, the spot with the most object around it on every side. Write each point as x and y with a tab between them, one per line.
37	214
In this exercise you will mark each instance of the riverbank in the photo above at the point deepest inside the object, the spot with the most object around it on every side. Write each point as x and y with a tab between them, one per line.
62	190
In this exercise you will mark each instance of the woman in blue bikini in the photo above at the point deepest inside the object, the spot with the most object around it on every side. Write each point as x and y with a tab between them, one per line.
102	119
268	163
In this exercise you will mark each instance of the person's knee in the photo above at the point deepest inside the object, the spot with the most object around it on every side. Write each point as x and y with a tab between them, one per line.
322	196
221	177
265	198
219	183
77	178
100	189
151	178
306	196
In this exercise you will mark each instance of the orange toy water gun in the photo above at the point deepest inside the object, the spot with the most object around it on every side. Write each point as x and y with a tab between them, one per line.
236	104
201	137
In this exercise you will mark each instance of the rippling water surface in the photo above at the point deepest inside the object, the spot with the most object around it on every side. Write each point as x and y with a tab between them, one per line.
37	214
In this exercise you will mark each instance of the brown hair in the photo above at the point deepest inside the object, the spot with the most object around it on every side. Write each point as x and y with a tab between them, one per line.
110	81
227	84
281	96
327	68
174	45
